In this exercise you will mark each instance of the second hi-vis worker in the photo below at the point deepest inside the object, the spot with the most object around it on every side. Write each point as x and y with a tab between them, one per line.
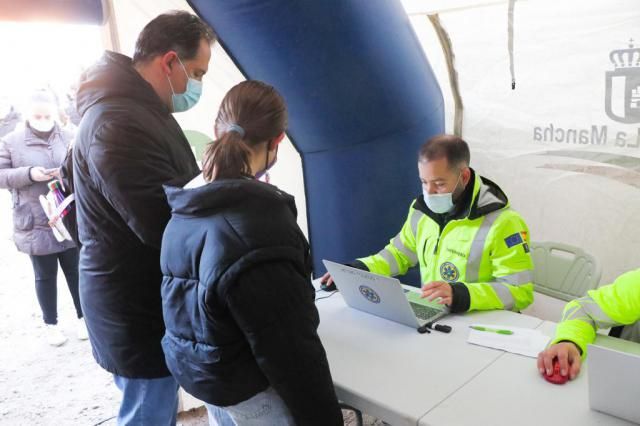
616	305
472	248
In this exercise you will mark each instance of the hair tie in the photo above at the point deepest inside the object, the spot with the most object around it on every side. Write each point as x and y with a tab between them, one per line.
236	128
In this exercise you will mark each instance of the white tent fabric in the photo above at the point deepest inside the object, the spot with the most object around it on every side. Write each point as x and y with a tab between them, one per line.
571	169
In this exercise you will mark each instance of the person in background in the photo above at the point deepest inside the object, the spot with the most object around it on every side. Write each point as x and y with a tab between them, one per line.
237	296
70	108
9	116
30	156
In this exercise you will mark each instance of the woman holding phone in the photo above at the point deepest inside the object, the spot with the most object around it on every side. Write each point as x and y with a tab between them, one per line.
30	156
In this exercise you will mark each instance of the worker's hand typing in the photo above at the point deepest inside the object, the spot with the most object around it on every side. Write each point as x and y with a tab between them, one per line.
438	289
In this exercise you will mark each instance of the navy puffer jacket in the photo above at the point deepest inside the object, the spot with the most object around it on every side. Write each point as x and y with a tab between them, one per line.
238	303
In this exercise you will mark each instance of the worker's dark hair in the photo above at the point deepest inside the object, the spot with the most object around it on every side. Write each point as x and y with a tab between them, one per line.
451	147
251	112
178	30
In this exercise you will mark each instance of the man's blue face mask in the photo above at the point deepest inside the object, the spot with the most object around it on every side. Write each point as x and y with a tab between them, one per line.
184	101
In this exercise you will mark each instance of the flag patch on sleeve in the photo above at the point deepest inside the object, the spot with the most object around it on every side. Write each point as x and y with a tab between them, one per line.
513	240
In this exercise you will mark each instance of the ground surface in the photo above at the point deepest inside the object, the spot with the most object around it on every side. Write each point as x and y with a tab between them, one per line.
40	384
43	385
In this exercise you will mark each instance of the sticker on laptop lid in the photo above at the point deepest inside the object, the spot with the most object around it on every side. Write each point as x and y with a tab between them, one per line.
369	294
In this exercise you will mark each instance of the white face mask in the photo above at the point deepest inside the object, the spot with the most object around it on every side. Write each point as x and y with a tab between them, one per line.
440	203
42	125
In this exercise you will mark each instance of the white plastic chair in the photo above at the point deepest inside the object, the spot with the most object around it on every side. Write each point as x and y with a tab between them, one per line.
561	273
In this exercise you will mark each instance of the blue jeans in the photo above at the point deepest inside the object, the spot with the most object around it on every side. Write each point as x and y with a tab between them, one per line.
147	402
218	416
263	409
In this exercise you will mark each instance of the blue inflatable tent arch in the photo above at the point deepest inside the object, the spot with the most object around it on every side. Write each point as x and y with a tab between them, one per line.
362	98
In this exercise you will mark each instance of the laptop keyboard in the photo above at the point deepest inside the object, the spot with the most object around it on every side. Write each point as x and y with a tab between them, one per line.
424	312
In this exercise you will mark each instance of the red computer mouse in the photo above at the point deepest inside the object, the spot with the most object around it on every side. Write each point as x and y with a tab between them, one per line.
555	377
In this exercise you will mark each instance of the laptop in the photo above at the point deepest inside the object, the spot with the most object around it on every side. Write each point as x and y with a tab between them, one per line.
614	381
383	296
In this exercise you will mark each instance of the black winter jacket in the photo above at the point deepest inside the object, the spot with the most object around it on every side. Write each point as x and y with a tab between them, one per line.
238	301
128	145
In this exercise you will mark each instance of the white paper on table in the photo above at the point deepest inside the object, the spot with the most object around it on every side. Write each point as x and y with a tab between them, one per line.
523	341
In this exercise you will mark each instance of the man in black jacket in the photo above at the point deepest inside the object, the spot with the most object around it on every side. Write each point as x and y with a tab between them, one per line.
129	145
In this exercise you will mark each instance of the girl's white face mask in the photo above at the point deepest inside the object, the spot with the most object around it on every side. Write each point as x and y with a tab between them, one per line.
42	125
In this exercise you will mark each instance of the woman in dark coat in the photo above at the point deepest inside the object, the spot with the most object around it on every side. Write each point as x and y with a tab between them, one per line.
30	156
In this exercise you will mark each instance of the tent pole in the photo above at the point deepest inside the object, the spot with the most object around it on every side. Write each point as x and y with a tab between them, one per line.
512	4
110	37
447	50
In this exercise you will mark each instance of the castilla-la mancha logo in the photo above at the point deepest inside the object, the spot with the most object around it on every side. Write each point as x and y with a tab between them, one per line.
623	106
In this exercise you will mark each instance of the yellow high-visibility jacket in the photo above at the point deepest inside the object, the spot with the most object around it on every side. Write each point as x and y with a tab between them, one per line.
613	305
482	250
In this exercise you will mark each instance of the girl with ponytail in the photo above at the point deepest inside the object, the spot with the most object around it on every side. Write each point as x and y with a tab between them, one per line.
238	304
250	126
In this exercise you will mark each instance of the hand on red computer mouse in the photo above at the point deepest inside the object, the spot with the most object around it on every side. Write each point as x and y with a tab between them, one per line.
556	377
560	362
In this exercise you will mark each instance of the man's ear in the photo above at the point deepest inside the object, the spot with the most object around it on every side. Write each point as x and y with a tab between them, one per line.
167	60
466	175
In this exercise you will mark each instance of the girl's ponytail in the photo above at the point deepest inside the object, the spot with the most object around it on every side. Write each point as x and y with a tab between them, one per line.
227	158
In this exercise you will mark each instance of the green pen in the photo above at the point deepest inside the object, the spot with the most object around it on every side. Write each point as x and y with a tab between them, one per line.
492	330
